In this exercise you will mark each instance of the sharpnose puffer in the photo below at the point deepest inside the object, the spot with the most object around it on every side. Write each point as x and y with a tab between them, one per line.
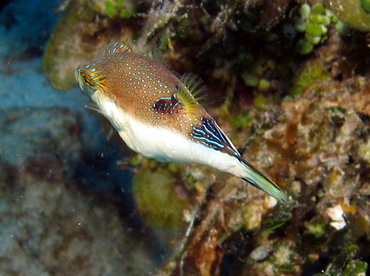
156	114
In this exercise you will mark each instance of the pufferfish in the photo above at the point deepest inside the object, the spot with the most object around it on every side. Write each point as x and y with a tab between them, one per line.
157	115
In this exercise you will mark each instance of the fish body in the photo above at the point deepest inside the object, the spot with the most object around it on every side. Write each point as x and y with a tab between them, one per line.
156	114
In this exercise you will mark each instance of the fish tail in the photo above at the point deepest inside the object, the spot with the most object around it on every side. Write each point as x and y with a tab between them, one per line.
262	182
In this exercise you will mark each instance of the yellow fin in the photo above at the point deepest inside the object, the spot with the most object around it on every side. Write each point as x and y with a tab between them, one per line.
191	90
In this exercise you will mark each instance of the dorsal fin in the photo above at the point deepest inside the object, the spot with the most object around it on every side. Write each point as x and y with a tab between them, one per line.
114	48
189	91
194	85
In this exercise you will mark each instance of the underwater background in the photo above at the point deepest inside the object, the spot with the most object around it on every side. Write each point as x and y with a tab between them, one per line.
288	81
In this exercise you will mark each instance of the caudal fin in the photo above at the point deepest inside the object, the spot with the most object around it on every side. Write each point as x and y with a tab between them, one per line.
257	179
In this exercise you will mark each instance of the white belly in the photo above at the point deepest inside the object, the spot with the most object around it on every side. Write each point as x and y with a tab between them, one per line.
163	144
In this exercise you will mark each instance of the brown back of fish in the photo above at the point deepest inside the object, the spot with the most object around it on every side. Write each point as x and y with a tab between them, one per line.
149	91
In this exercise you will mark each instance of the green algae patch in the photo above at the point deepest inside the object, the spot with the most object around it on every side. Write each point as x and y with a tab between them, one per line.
314	22
120	8
312	72
158	198
352	12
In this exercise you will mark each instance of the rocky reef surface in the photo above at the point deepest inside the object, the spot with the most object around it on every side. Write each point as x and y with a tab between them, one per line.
288	82
49	226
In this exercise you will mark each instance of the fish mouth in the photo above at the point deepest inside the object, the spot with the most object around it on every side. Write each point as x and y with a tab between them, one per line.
90	83
78	78
84	86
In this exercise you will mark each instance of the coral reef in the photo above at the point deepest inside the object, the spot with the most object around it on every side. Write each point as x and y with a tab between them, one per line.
321	137
47	222
309	132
